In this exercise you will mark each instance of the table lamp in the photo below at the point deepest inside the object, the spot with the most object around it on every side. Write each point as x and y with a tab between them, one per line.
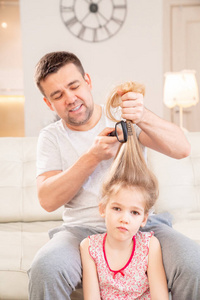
180	89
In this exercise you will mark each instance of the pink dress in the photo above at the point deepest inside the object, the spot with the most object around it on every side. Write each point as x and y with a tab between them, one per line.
131	281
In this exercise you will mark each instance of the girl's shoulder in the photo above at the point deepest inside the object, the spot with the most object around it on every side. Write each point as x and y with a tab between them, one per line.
147	240
84	243
93	237
97	237
92	240
92	246
140	235
95	246
154	245
96	241
143	241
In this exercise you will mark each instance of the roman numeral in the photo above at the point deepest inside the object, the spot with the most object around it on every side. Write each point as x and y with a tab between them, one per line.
95	35
119	6
117	21
82	32
71	22
66	9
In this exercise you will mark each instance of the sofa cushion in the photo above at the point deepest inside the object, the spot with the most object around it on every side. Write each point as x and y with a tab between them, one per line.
18	195
190	228
19	243
179	181
13	285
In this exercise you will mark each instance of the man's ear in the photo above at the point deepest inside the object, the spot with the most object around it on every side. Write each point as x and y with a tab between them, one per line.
102	210
88	80
144	220
48	103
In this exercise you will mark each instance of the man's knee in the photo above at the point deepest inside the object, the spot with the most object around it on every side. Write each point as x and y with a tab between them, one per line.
52	265
186	281
44	267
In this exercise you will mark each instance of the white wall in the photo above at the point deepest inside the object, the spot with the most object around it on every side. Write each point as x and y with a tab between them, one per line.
134	53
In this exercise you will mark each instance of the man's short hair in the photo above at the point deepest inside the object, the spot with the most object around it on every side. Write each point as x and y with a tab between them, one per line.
52	62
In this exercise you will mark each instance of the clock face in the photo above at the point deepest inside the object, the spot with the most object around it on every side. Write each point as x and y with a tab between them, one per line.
93	20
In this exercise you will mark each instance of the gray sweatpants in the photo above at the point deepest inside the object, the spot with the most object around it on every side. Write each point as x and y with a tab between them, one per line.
56	269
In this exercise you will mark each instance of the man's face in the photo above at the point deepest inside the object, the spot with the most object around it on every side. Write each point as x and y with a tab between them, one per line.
69	95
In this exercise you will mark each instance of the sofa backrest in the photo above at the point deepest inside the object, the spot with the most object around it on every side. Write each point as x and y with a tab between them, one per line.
179	181
18	195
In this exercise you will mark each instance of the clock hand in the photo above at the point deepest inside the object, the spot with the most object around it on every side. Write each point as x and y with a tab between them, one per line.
102	16
98	21
87	14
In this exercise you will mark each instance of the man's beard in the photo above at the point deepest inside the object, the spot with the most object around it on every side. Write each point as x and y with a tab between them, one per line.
73	121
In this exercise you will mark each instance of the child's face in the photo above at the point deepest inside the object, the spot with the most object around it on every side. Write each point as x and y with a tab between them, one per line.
125	213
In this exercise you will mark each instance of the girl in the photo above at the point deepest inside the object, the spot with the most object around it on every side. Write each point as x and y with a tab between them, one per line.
125	263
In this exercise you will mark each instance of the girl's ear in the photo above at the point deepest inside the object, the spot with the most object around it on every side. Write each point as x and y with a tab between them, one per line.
144	220
102	210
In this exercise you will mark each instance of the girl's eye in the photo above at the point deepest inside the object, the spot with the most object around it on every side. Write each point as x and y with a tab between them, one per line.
116	208
135	213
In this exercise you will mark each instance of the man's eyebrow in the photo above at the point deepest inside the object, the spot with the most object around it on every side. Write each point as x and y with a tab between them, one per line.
54	93
72	82
69	84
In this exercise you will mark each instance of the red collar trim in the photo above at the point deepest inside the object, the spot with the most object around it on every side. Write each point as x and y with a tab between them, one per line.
126	265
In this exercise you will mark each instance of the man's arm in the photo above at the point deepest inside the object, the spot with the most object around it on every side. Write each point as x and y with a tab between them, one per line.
163	136
56	188
157	133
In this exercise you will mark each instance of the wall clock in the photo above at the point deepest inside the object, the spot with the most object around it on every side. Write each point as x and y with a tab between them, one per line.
93	20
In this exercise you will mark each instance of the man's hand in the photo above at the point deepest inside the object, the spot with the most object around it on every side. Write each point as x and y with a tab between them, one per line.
104	146
56	188
132	106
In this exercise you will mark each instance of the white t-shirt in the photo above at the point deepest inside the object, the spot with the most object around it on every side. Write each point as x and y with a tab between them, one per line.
58	149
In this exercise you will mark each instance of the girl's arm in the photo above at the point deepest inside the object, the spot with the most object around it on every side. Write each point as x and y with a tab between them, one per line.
90	277
156	272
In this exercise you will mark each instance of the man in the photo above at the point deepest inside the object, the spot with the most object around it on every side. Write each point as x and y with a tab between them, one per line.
73	157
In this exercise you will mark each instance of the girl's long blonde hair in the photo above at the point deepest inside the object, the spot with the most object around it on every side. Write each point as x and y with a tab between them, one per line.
129	168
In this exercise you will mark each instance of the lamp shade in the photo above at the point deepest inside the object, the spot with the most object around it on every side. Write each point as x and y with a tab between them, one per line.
181	89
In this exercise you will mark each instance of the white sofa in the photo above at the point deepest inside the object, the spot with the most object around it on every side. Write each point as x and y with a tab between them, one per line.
24	224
